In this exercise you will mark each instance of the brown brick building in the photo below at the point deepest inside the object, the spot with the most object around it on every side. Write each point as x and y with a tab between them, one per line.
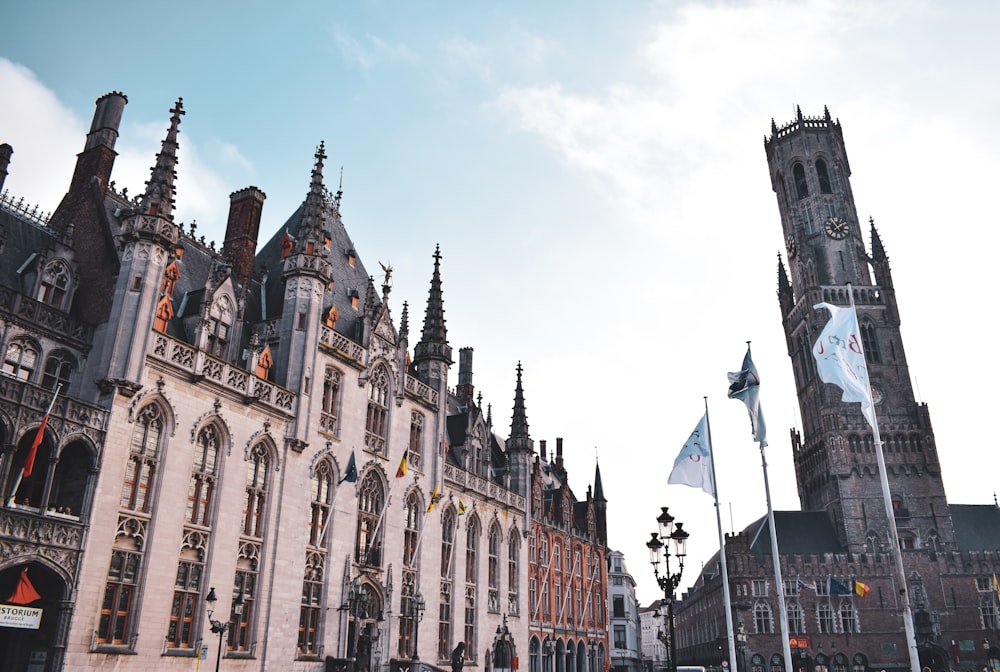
950	552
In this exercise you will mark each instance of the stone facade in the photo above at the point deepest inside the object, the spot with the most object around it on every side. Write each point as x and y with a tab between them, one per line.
250	424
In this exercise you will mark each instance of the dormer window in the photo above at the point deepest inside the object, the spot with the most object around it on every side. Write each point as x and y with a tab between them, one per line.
352	257
55	282
355	297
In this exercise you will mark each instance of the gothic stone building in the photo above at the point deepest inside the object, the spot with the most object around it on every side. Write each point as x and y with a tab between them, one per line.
248	424
950	552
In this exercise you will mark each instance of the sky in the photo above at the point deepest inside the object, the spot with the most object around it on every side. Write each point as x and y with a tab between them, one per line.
595	175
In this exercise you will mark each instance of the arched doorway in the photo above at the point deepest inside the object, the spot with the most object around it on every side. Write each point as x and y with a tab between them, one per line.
364	625
30	629
933	657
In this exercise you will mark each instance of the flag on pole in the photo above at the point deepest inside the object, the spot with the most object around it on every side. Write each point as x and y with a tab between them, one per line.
29	460
693	465
996	586
840	358
434	496
861	589
401	471
745	386
461	508
24	593
351	472
839	587
802	585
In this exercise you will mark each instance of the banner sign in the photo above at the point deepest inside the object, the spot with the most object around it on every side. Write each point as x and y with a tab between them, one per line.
15	616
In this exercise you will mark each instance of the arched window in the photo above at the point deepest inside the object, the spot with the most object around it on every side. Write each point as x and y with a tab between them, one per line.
513	562
472	531
445	598
823	176
493	571
21	359
848	622
311	608
777	663
407	603
258	468
796	624
54	285
840	663
144	458
368	540
330	410
762	618
988	612
859	663
824	615
415	450
757	663
869	341
377	422
58	368
799	175
203	475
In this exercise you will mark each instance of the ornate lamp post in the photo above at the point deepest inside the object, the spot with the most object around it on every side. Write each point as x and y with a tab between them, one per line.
222	627
669	530
417	607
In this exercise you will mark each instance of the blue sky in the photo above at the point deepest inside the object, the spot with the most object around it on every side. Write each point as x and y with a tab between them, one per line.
595	175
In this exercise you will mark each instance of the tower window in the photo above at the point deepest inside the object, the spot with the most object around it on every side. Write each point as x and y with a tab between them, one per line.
823	176
799	175
870	343
55	282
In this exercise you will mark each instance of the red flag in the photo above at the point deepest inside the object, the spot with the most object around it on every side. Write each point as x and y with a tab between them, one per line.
29	461
24	593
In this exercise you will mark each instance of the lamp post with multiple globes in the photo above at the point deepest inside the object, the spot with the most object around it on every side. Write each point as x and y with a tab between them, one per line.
669	530
220	628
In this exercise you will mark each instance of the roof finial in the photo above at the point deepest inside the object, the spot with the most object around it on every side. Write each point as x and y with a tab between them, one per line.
158	198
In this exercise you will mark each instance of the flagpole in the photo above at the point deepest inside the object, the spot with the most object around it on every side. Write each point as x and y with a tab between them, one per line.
779	584
37	442
897	554
730	635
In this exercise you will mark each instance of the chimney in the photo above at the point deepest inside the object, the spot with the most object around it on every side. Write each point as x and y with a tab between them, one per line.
465	389
559	460
107	118
5	152
240	246
541	448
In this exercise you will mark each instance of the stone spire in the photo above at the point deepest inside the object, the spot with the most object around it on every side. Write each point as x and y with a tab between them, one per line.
434	338
519	438
786	297
598	485
159	196
311	236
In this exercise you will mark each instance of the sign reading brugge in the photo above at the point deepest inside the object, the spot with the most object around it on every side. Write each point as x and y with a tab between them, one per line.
15	616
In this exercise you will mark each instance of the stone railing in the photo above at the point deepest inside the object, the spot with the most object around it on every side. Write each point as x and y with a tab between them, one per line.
341	344
202	366
421	391
37	315
24	529
486	488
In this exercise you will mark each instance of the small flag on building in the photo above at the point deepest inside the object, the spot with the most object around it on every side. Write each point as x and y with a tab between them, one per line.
351	472
434	496
861	589
401	471
839	587
461	508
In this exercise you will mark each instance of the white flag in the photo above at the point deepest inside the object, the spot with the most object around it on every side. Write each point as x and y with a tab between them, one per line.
693	465
840	358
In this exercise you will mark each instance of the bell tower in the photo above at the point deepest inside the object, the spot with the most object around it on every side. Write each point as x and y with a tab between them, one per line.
836	467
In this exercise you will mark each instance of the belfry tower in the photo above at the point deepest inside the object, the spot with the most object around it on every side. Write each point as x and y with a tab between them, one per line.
835	464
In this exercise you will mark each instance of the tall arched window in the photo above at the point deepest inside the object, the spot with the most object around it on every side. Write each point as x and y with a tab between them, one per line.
796	624
258	473
825	617
445	598
251	546
513	572
411	533
368	540
311	609
493	570
869	342
21	359
203	475
472	531
377	421
801	186
220	325
144	458
415	449
330	411
848	621
823	177
762	618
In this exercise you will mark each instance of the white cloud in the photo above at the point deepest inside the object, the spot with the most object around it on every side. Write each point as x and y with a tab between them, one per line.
371	50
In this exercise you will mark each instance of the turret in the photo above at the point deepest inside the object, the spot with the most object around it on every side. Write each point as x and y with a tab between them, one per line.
149	238
307	273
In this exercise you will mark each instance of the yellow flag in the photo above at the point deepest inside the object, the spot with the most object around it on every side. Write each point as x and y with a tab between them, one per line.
430	507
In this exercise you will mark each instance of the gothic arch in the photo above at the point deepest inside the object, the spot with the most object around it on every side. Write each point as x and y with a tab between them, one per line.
263	436
157	397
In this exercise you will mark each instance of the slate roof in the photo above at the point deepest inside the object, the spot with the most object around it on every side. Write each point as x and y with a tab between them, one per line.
977	526
799	533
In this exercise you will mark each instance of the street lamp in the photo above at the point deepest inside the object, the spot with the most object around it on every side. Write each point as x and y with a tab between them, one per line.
221	627
669	530
417	607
